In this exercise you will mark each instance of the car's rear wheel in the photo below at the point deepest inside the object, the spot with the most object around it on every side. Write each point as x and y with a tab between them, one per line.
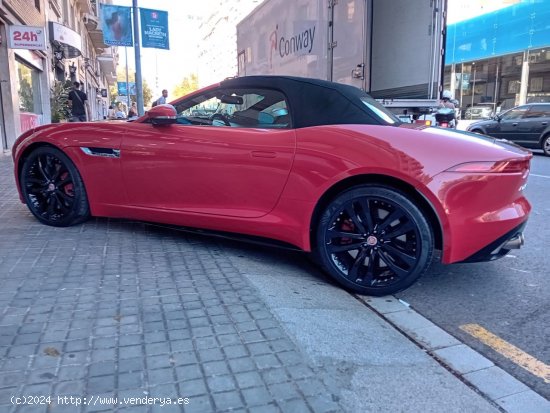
374	240
546	145
53	188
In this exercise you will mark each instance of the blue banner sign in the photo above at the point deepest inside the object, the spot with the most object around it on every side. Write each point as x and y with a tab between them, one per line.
154	28
513	29
122	88
116	24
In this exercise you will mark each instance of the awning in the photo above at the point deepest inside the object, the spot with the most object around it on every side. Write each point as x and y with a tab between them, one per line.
65	39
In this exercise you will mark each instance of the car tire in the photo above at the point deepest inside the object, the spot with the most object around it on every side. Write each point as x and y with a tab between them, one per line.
374	240
53	189
545	145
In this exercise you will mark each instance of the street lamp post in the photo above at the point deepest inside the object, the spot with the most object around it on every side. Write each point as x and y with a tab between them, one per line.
137	50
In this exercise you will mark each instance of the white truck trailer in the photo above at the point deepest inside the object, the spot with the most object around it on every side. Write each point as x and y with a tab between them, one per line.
393	49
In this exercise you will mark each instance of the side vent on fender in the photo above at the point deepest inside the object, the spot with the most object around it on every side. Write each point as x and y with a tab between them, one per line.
104	152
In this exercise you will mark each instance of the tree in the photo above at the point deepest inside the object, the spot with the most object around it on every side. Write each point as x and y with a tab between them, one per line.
59	100
121	77
187	85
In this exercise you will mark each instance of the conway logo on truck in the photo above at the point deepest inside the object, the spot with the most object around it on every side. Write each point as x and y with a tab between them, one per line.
299	43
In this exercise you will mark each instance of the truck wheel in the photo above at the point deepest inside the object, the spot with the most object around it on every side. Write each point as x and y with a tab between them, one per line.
374	240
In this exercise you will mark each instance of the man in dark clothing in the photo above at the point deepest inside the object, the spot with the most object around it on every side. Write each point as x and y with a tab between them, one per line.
78	102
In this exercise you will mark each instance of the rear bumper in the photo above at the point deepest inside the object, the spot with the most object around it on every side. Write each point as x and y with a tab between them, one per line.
499	248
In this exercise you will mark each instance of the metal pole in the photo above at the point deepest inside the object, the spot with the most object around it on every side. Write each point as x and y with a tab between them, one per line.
127	83
474	86
497	91
523	87
137	50
461	83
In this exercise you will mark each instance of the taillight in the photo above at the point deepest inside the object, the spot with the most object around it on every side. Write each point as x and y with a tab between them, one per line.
423	122
503	167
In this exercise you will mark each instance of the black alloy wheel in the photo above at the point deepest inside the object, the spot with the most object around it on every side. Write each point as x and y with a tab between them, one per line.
546	145
53	188
373	240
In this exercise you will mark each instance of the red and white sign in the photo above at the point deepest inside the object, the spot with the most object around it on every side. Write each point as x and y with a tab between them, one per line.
28	121
27	37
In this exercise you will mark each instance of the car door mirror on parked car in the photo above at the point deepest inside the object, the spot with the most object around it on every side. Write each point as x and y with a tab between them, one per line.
162	115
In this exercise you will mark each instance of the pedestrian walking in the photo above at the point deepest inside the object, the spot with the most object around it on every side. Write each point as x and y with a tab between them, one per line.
120	113
111	113
78	103
161	100
133	111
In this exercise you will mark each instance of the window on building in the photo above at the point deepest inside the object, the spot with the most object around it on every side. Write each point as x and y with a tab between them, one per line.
513	86
28	88
535	84
37	4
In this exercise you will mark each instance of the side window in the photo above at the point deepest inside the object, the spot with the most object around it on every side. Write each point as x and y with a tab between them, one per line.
199	111
538	111
516	113
238	108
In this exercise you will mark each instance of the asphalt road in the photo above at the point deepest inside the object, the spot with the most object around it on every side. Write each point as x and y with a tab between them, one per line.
509	297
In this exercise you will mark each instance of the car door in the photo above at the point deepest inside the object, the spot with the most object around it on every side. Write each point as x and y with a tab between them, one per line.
536	122
229	154
511	125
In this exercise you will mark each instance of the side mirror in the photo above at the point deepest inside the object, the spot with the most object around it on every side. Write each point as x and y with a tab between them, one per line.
162	115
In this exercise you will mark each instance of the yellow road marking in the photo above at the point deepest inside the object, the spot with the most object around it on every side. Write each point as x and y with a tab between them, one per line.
511	352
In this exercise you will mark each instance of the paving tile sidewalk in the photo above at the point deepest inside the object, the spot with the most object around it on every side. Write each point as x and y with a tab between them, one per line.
118	309
115	309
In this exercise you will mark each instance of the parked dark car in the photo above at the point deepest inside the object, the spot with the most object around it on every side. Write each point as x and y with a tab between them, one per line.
527	125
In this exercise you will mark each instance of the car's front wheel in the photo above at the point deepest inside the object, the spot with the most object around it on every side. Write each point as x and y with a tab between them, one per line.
374	240
53	189
546	145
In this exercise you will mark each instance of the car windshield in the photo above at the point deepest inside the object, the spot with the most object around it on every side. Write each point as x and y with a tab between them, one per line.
379	110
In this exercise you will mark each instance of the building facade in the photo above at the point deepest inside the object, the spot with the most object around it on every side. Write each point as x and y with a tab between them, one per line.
73	50
218	44
502	58
24	74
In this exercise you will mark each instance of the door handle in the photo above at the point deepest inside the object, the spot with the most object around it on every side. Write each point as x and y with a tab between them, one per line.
263	154
544	123
515	124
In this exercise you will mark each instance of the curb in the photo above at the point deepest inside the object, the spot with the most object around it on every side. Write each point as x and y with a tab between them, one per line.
475	370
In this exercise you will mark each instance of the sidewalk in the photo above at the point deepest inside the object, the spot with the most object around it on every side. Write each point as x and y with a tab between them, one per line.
151	316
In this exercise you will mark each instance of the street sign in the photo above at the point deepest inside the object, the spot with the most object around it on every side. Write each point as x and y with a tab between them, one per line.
26	37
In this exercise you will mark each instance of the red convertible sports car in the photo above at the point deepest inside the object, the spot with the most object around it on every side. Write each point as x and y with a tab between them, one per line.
317	165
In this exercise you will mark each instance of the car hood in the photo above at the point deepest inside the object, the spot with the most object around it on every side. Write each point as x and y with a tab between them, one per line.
485	122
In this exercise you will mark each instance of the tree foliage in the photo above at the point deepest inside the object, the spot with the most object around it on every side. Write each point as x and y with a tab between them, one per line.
187	85
121	77
59	100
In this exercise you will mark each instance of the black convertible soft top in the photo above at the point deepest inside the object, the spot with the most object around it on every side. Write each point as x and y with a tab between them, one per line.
314	102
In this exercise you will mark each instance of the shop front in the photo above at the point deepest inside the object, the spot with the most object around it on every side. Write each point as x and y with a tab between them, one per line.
500	59
24	90
29	68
